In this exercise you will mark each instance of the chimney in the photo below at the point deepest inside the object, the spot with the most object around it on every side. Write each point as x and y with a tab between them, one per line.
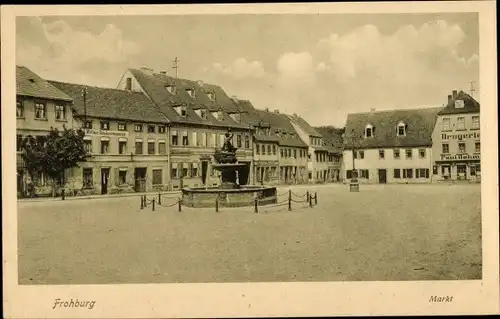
200	83
147	71
454	94
276	111
163	73
449	99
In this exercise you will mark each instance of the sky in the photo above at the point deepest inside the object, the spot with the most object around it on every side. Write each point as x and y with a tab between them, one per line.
320	66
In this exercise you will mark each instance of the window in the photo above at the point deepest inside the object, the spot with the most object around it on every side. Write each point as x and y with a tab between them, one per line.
409	153
161	129
459	104
60	112
151	129
408	173
88	145
104	147
19	108
397	173
203	114
461	123
204	139
422	173
213	142
401	129
368	131
445	148
104	125
269	152
194	170
361	154
396	153
87	124
40	111
122	127
19	141
238	140
157	177
446	124
138	128
194	138
263	150
247	141
175	139
151	148
183	111
477	147
184	170
421	153
257	149
355	155
185	139
475	122
294	153
381	154
364	173
138	147
162	150
122	147
122	177
461	148
88	181
174	170
348	174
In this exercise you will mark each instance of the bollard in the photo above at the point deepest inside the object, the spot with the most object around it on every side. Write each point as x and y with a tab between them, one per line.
256	206
62	194
159	198
307	195
180	206
289	200
310	201
315	198
142	202
153	204
216	205
145	201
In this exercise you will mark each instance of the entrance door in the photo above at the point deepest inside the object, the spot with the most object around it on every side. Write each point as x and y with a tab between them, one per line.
204	171
140	179
461	171
382	176
104	180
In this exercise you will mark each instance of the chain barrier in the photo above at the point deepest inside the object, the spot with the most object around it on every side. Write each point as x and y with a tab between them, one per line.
171	205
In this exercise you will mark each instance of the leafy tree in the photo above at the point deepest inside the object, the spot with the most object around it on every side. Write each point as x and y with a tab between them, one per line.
56	152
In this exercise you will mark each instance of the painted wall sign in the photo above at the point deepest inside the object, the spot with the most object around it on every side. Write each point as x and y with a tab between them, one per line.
460	136
460	157
105	133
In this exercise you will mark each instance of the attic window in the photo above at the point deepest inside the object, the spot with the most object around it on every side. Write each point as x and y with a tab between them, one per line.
459	104
181	110
191	93
32	80
202	113
236	117
171	89
369	131
211	96
402	128
218	115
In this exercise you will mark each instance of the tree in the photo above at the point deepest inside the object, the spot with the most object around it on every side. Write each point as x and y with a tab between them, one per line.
56	152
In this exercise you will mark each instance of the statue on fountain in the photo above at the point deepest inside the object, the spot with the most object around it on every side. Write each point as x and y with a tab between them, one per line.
227	153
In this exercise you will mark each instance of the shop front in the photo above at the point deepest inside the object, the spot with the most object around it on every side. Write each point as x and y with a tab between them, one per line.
458	167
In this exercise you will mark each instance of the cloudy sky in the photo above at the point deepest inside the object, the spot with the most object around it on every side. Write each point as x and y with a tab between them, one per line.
319	66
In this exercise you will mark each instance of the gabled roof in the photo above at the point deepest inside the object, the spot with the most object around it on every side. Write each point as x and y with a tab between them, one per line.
30	84
470	105
420	125
111	103
281	128
155	84
304	125
332	137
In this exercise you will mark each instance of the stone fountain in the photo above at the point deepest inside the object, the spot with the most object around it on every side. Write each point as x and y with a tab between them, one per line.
229	193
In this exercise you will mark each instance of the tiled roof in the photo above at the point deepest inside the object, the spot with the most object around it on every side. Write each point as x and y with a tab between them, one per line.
250	115
155	87
30	84
112	103
281	126
304	125
420	125
470	105
332	137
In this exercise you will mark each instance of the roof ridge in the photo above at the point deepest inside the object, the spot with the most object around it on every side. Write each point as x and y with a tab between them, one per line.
93	86
398	110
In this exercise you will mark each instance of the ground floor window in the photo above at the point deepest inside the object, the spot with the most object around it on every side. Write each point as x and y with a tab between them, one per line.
364	173
408	173
157	177
475	170
194	170
88	180
461	171
422	172
397	173
174	170
122	177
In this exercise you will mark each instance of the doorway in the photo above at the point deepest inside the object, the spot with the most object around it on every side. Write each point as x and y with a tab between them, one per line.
140	179
104	180
382	176
461	171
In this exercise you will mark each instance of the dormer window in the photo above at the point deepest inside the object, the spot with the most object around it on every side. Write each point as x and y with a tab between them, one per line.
171	88
202	113
369	131
236	117
401	129
191	93
459	104
218	115
181	110
211	96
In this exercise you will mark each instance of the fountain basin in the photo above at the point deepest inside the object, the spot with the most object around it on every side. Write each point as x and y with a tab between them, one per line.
229	197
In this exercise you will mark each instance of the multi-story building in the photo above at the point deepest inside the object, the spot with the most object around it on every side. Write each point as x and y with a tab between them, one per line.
456	140
318	154
199	115
39	107
390	146
126	136
333	141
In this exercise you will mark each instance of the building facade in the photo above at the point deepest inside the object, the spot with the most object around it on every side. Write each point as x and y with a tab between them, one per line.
332	139
456	140
390	146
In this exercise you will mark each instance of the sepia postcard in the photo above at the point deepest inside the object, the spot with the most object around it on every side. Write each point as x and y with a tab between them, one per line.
250	160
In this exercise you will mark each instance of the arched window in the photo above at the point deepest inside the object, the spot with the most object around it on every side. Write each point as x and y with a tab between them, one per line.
401	129
369	131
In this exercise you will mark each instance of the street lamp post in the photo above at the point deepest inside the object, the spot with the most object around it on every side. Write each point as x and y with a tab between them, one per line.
354	183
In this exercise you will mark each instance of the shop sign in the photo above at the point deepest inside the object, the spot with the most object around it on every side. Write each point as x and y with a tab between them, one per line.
460	136
460	157
93	132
